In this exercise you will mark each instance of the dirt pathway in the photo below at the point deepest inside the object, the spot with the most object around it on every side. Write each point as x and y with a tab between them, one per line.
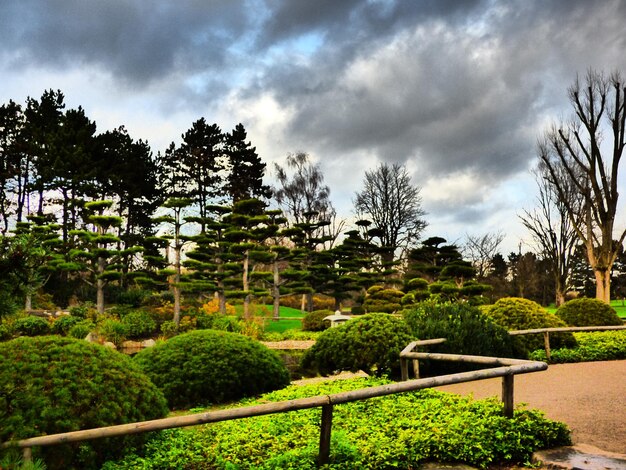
589	397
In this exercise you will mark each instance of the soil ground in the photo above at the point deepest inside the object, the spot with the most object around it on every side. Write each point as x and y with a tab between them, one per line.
589	397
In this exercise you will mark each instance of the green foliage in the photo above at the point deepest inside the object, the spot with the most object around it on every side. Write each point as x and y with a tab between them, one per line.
113	330
514	313
31	326
62	325
466	329
357	310
139	324
8	305
208	366
588	312
52	384
379	299
592	346
82	329
371	343
314	321
399	431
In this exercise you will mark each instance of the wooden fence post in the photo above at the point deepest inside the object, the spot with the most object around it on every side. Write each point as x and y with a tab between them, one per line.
325	430
546	341
404	369
416	368
507	394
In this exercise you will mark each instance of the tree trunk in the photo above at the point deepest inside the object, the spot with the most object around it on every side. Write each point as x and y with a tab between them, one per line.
603	285
246	287
177	250
28	304
276	293
100	286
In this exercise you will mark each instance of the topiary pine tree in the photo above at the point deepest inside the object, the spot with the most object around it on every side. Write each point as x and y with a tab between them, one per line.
94	249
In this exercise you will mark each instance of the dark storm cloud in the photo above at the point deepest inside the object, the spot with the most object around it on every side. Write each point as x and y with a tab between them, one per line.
452	89
135	41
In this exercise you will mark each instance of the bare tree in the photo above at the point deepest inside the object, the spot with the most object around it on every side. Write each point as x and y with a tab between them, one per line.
578	153
553	231
480	250
305	199
394	205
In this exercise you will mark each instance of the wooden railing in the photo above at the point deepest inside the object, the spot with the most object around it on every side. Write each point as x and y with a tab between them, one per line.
507	369
570	329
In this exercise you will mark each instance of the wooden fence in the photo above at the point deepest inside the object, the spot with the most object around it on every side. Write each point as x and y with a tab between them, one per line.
507	369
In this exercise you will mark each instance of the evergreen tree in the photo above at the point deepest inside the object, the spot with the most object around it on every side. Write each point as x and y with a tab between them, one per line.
245	168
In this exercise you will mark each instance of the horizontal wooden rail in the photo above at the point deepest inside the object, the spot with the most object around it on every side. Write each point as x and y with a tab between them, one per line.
326	402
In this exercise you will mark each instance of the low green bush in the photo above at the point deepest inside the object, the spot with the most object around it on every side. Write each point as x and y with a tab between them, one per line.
371	343
52	384
314	321
62	325
398	431
82	329
31	326
208	366
466	329
139	324
516	313
588	312
6	331
592	346
113	330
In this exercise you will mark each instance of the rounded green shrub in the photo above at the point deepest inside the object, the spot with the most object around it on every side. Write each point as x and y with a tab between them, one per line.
62	325
314	321
516	313
588	312
139	324
208	366
31	326
466	329
371	343
52	384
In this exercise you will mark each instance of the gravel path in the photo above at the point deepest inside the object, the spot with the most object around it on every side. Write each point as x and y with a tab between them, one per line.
589	397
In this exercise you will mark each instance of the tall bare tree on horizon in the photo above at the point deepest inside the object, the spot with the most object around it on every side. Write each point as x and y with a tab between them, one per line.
577	153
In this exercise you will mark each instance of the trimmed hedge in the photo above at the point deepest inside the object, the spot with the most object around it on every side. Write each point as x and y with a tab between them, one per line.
371	343
588	312
208	366
52	384
516	313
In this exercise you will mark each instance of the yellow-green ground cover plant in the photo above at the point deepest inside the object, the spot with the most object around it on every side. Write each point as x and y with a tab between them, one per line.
398	431
592	346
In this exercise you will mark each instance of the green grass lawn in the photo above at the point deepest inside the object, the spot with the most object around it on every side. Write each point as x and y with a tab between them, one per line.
289	317
618	305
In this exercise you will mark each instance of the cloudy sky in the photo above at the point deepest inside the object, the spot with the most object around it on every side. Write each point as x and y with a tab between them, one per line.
459	91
